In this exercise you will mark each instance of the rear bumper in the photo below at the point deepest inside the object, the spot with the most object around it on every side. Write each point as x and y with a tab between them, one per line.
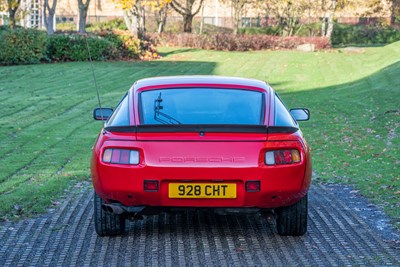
202	162
279	186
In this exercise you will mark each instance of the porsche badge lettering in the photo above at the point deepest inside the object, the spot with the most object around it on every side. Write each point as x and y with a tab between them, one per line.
201	159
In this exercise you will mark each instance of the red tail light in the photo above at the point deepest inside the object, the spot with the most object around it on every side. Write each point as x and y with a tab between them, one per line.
121	156
279	157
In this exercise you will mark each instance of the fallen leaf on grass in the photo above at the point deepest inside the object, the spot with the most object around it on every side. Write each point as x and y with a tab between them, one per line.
17	208
55	203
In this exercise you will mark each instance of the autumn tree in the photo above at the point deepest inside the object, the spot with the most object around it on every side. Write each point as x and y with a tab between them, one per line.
134	15
287	13
134	12
12	7
160	9
395	11
237	12
379	8
49	11
329	9
3	6
188	9
82	15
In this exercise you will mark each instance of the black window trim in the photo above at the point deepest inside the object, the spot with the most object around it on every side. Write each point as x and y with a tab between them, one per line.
263	100
205	128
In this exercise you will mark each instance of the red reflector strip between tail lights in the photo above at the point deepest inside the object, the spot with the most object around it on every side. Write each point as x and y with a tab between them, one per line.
150	185
253	186
280	157
121	156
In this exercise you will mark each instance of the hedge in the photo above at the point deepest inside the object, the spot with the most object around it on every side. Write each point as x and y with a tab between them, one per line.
364	34
30	46
62	47
231	42
22	46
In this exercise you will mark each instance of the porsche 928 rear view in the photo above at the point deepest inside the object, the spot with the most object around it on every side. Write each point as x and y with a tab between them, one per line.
200	142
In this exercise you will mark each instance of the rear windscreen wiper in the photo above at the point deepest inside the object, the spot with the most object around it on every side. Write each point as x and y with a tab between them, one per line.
161	116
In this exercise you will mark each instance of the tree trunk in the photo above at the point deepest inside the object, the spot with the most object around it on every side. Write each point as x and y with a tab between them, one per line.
161	18
48	15
395	12
329	30
202	20
82	21
236	21
129	22
11	14
50	24
12	11
331	15
83	10
237	9
323	26
186	10
163	22
141	19
187	23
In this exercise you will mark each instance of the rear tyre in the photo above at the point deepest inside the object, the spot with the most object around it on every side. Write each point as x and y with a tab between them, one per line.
106	223
292	220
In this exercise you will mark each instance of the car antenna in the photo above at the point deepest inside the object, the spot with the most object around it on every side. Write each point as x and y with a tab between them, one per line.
94	77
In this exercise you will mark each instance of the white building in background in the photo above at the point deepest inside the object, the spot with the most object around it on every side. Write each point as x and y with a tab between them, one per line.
30	13
33	18
3	18
214	12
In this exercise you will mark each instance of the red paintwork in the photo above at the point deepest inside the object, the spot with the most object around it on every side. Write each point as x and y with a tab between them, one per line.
215	157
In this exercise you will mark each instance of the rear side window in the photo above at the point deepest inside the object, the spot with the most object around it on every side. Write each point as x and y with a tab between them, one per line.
202	106
282	115
120	116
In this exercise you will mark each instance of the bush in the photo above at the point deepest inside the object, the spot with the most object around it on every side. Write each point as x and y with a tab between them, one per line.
364	34
22	46
148	51
271	30
305	30
114	24
311	29
343	34
74	47
66	27
231	42
28	46
127	45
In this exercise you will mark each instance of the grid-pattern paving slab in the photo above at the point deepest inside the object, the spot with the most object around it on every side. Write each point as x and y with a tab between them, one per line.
344	230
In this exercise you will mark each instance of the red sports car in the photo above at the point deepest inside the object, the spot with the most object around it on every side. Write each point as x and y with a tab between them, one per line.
200	142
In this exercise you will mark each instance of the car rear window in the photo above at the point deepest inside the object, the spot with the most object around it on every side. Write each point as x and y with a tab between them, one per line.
201	106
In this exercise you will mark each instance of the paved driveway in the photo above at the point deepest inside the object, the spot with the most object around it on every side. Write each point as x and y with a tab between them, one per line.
344	230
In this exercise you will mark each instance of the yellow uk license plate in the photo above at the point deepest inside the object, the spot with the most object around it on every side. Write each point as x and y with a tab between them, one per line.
202	190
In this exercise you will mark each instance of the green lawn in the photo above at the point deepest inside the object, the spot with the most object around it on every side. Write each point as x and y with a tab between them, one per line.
47	132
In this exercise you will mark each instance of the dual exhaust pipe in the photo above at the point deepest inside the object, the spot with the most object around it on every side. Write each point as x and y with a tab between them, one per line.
114	209
118	209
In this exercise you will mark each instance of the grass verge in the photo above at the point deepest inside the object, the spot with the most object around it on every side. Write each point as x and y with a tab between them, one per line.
46	130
